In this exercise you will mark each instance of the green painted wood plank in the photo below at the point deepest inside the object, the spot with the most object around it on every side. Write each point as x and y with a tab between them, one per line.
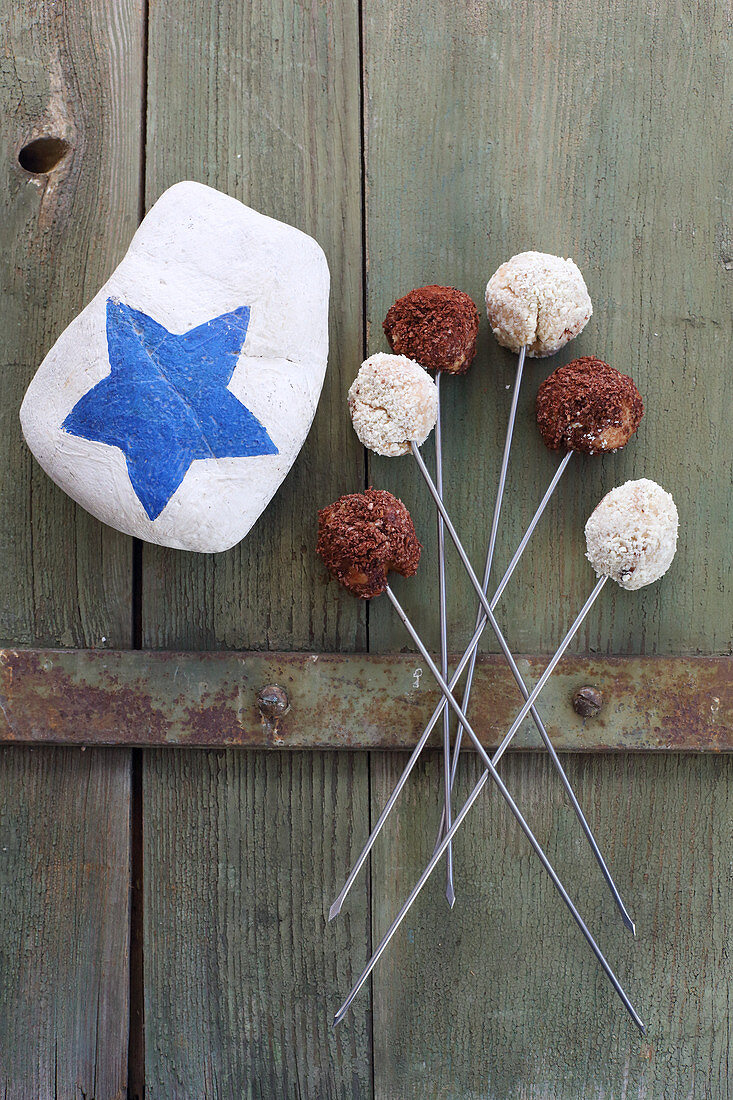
73	73
66	578
244	853
501	999
64	885
600	131
262	102
567	128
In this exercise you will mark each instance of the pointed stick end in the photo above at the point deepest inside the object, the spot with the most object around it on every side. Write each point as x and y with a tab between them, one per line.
338	1018
629	923
641	1028
450	896
335	909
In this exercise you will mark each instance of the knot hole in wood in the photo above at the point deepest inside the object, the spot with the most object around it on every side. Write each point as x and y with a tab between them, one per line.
40	156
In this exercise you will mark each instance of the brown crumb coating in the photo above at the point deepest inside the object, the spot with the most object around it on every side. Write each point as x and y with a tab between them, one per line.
435	325
588	406
362	536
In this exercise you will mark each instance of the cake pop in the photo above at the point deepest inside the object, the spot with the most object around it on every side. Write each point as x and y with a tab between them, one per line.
435	325
362	536
538	301
393	401
632	534
588	406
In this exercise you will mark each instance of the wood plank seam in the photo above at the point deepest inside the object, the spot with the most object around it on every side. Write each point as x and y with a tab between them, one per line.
136	1033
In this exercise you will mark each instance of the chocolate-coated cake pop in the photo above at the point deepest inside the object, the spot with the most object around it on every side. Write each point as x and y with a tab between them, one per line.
362	536
588	406
435	325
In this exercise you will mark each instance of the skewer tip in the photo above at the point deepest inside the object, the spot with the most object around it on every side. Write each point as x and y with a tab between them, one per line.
335	909
450	895
628	922
340	1015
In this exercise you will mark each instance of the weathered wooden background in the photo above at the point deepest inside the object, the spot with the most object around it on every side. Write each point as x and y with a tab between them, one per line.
419	142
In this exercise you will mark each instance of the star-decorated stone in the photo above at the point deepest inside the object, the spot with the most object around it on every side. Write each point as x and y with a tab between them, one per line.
174	405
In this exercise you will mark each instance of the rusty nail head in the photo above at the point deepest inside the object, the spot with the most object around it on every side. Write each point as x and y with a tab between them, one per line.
273	701
587	701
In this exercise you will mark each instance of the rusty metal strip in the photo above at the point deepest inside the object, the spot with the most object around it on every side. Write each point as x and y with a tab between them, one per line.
349	701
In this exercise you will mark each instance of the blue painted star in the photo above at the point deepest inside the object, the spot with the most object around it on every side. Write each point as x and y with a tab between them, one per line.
166	403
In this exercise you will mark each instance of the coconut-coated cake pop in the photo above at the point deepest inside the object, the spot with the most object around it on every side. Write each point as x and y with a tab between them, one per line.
632	534
393	400
435	325
362	536
539	301
588	406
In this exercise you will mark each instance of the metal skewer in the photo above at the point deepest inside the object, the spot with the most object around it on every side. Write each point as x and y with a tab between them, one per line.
449	888
442	705
530	698
444	824
553	663
498	594
490	772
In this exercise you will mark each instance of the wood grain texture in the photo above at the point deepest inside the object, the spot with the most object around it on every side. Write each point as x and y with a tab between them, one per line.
72	71
64	883
502	999
602	132
244	853
263	103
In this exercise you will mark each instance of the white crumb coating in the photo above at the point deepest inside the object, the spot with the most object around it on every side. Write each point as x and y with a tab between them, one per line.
392	401
539	301
632	535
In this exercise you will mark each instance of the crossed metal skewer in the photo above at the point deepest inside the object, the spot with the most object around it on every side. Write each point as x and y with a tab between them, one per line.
450	892
445	820
443	705
492	773
528	708
494	530
485	614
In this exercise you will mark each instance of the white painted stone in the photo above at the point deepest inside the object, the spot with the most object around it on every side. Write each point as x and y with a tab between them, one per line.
197	255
